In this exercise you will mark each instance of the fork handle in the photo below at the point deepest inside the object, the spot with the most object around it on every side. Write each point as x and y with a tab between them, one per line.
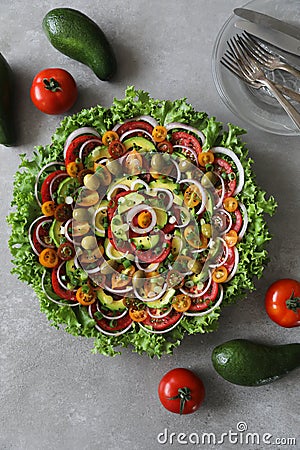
289	109
288	92
290	69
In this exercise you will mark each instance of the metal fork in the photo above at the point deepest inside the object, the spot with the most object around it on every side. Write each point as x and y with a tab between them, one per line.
267	59
239	62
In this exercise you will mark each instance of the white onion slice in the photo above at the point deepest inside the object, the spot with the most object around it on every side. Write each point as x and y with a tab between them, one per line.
37	235
30	230
71	304
221	197
60	281
245	221
79	132
117	291
57	177
178	176
136	210
92	271
168	193
151	299
106	316
159	316
236	263
207	311
111	191
151	267
139	181
224	258
36	193
66	233
108	333
148	119
85	144
240	169
136	130
202	192
160	331
184	126
189	149
200	293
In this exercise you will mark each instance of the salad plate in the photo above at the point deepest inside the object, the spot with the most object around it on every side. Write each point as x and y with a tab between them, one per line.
256	106
138	223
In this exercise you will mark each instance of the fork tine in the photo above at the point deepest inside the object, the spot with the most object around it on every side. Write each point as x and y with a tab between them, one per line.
255	50
232	68
257	45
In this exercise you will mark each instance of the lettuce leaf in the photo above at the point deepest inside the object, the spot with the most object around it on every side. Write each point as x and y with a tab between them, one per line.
76	320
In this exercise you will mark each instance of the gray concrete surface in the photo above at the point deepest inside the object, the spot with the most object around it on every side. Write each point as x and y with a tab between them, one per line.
56	395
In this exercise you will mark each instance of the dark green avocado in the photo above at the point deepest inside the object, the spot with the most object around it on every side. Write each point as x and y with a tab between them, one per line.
75	35
247	363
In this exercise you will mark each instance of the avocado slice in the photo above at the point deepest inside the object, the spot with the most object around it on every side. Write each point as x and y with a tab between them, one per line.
161	217
146	242
138	141
98	153
163	301
55	232
67	187
166	183
130	200
119	228
107	301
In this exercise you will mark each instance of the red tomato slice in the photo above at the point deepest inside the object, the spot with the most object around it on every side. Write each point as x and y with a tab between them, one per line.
238	221
203	302
186	139
47	184
61	292
43	233
220	166
229	264
72	152
164	322
133	125
113	324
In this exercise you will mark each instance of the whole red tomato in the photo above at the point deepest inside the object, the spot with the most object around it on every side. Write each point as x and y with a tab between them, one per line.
282	302
53	91
181	391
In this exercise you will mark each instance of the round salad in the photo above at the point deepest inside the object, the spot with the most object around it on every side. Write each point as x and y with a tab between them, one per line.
139	223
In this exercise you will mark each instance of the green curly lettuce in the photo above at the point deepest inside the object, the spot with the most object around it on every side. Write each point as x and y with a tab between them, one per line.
76	320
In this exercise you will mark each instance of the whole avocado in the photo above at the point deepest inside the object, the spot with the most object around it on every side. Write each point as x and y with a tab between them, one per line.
248	363
75	35
7	128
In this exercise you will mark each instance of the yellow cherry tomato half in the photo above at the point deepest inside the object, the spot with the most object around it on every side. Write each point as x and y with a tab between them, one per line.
230	204
73	169
192	196
220	274
138	315
181	302
86	295
231	238
205	158
48	258
144	219
48	208
109	136
159	133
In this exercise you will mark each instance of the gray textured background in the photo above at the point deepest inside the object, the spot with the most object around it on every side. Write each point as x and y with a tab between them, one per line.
54	394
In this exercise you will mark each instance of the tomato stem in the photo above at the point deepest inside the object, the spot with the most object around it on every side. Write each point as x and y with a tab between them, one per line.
184	394
51	84
293	303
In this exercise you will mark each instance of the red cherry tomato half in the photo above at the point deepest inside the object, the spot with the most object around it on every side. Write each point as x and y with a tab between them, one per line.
53	91
282	302
181	391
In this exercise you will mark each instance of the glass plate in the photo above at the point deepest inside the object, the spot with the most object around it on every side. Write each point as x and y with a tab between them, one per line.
257	107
